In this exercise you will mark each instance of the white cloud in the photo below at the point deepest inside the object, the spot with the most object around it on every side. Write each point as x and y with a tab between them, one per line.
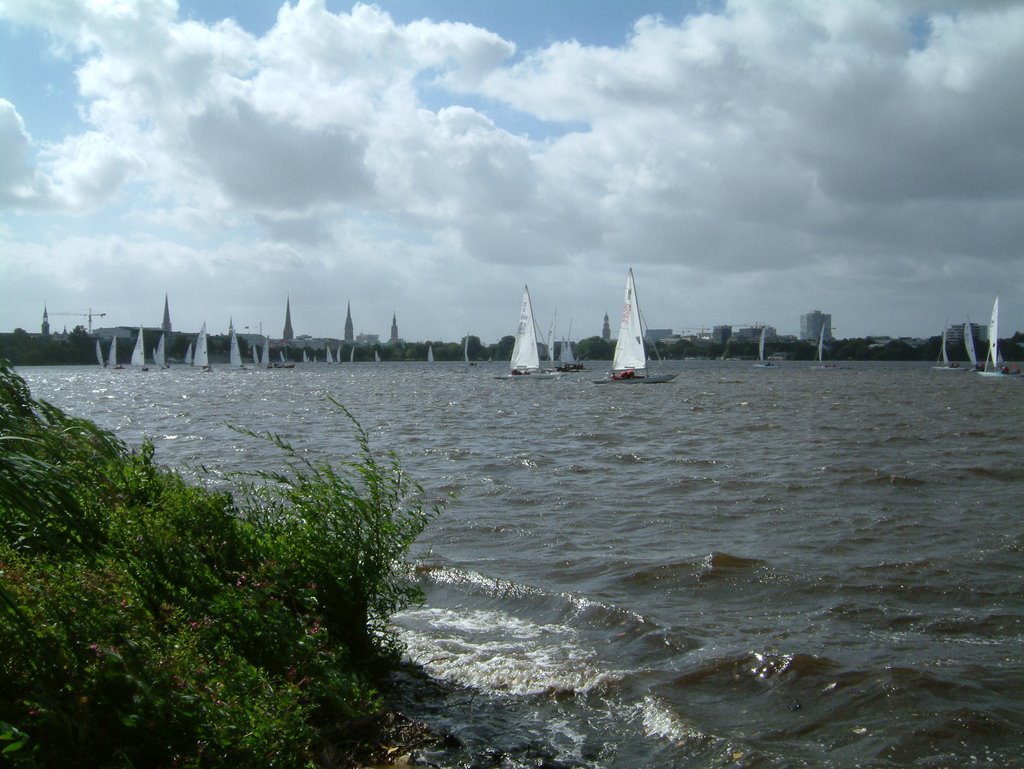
770	139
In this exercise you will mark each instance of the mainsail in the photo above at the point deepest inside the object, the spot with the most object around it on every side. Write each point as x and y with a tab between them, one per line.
525	356
629	347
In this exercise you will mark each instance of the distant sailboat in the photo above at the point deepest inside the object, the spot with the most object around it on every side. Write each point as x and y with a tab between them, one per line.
430	353
160	353
139	353
99	355
629	363
525	355
235	354
112	354
993	361
376	356
188	355
972	356
201	357
567	361
944	357
255	357
265	355
330	358
351	354
761	362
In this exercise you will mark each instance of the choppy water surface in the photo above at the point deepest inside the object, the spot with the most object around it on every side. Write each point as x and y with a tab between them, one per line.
744	568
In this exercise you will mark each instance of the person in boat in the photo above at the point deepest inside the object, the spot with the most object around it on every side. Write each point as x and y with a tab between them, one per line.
627	374
518	372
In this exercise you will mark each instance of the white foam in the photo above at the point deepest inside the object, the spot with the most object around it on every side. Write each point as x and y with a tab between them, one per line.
495	651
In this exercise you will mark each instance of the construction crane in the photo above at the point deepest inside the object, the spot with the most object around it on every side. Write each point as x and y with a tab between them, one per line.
87	314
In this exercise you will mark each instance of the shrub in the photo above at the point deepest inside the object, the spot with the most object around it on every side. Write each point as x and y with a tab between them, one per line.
147	622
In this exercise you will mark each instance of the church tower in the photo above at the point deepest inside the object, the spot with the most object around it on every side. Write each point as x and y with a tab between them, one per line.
288	333
394	328
46	322
606	330
348	325
166	325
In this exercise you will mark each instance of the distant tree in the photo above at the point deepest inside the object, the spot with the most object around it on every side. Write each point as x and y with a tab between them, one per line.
595	348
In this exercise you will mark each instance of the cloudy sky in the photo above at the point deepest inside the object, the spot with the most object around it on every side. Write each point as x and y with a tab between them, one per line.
752	160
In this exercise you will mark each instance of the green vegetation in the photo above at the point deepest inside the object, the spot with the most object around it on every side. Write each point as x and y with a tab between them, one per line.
148	622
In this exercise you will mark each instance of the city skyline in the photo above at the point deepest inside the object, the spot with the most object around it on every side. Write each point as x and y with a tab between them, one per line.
750	161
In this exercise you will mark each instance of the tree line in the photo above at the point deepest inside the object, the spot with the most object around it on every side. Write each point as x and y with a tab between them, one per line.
79	348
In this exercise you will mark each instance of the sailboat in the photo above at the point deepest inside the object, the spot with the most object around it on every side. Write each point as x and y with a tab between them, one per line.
139	353
944	357
993	363
430	353
376	356
567	361
265	355
255	357
99	355
188	355
525	355
201	357
761	362
160	353
235	355
821	350
630	361
972	356
330	357
112	355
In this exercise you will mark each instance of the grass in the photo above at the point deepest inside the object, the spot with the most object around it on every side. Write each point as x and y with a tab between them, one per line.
148	622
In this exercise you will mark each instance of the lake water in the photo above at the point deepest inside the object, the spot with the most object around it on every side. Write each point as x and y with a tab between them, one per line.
747	567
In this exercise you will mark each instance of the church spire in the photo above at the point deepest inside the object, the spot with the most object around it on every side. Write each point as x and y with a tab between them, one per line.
288	333
348	324
46	322
166	325
394	328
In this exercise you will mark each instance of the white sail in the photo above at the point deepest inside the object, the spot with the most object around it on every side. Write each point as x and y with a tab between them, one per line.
992	359
330	358
160	354
235	356
465	350
188	355
255	357
565	354
337	355
629	347
821	344
305	358
112	354
139	352
201	357
352	354
760	344
376	356
430	353
99	354
525	356
265	355
280	354
945	355
972	356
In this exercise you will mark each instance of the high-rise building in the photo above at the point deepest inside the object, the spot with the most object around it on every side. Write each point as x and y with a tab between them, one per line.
288	333
349	337
394	328
606	329
812	323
